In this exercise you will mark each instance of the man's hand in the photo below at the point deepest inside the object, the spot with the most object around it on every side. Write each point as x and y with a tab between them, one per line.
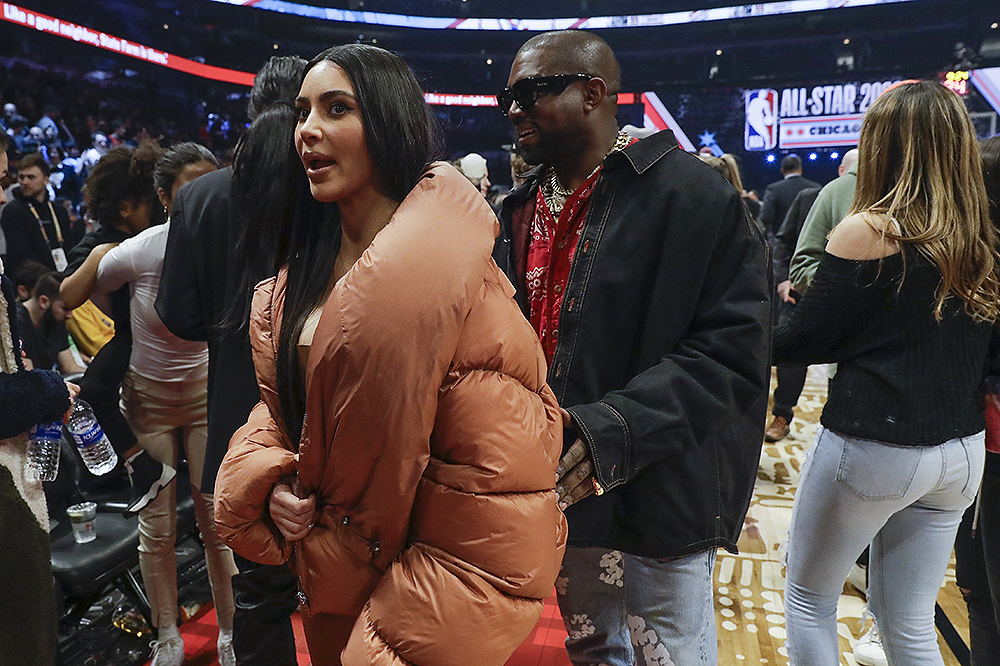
785	292
293	517
574	475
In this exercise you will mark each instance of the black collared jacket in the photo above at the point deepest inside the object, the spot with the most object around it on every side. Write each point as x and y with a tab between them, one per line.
663	357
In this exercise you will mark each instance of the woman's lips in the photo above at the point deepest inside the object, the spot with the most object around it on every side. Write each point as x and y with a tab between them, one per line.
318	167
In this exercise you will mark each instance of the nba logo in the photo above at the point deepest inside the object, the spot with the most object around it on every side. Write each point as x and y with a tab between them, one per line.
761	130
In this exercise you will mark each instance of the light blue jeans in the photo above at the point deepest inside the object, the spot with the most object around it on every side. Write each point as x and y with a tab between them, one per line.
907	502
623	610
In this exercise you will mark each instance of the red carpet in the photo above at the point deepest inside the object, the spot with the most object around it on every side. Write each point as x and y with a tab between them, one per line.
543	647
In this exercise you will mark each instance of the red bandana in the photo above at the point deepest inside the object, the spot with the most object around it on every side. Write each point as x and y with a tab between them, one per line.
550	256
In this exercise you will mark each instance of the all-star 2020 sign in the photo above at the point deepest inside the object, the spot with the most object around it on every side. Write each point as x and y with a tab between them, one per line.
821	117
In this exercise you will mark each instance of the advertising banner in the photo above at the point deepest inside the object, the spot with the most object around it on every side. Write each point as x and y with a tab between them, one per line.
820	132
823	116
761	130
78	33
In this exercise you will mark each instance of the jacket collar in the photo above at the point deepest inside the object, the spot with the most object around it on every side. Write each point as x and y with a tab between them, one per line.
519	195
640	155
646	152
17	194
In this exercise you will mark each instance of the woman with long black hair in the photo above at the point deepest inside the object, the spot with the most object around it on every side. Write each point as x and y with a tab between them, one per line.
403	456
228	231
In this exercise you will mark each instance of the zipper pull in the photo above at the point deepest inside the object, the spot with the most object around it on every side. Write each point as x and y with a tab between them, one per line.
303	601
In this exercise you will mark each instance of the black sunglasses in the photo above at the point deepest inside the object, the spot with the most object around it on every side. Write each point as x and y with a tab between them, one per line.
526	91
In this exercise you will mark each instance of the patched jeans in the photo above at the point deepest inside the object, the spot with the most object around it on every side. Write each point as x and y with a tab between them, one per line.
907	502
623	610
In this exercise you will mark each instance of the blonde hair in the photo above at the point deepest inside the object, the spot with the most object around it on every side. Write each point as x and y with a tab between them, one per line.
726	165
919	166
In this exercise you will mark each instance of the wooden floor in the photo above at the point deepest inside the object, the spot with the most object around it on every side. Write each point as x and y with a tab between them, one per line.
748	600
748	587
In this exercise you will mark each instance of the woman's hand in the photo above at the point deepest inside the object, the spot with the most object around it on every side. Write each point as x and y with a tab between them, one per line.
74	391
293	517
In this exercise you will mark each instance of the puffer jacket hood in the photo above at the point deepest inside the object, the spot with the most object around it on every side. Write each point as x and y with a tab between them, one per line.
430	440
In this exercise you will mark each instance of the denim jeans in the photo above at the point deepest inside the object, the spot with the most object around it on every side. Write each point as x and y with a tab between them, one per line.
907	502
623	610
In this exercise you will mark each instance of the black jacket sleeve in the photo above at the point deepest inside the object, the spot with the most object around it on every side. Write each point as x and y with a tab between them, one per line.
841	292
784	240
179	301
16	233
767	210
28	398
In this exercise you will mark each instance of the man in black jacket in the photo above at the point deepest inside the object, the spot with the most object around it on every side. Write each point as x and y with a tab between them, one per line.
34	227
778	196
790	381
650	290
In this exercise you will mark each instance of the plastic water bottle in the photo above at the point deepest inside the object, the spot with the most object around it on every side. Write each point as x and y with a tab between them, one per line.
43	452
95	449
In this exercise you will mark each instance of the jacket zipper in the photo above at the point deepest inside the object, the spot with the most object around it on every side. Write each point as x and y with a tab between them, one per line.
300	593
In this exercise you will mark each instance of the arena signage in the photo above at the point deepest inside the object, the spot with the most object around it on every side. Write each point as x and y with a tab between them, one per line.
956	81
817	117
542	24
78	33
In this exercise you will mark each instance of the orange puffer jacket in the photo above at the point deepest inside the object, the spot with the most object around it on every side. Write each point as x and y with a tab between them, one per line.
430	440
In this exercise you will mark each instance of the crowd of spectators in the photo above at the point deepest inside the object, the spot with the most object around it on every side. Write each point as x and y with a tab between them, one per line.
73	117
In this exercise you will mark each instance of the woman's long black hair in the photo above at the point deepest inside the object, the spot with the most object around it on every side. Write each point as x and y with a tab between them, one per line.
402	140
266	173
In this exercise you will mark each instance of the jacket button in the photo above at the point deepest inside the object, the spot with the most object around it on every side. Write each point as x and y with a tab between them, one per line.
376	547
558	288
555	334
345	521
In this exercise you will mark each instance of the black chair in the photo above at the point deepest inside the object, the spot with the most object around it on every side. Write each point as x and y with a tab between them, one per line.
84	572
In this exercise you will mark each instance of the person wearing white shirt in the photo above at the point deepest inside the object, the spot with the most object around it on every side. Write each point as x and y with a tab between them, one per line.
165	396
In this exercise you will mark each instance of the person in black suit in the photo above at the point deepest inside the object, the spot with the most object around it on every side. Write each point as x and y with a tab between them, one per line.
209	272
790	380
778	196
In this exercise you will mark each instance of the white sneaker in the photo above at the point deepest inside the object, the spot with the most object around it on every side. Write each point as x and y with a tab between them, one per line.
168	652
868	650
858	578
226	655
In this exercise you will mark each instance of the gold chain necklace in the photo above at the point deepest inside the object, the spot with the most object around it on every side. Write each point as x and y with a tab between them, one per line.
554	192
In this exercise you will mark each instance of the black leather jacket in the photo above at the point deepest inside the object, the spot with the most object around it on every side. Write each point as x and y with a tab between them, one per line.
663	357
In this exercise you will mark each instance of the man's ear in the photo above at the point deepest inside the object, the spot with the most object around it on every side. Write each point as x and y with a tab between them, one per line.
22	293
594	92
44	302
